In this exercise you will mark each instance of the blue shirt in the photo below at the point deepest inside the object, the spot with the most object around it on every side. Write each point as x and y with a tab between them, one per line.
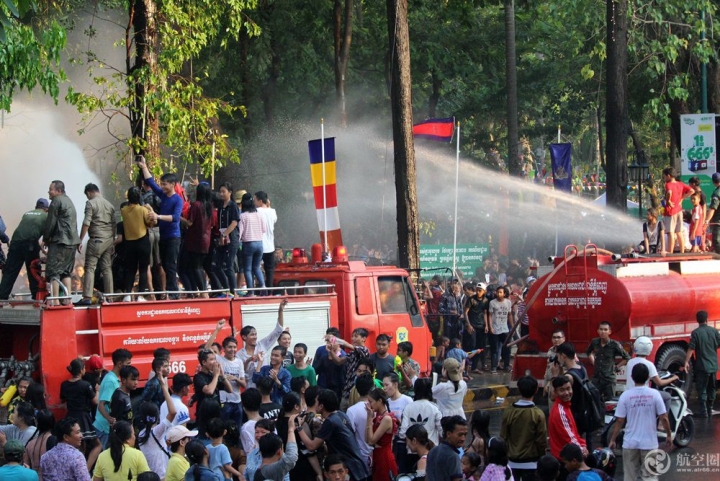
18	473
458	354
204	474
107	388
278	391
330	375
171	206
219	457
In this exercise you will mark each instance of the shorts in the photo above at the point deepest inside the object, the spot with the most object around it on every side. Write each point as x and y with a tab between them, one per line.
673	223
697	241
154	233
60	261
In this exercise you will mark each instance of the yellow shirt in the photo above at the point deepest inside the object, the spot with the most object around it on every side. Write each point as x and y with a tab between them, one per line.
176	468
136	218
133	462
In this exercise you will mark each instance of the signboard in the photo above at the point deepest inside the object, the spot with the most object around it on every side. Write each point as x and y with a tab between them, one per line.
697	144
468	256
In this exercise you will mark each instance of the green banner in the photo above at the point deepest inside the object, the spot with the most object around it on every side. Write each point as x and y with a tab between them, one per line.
468	257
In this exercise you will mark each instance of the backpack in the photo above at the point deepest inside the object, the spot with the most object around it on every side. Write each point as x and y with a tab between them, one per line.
593	407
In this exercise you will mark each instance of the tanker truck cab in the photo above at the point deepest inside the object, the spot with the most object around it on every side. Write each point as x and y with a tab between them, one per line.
380	299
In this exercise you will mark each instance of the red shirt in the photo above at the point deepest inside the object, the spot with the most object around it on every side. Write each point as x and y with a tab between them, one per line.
562	429
677	190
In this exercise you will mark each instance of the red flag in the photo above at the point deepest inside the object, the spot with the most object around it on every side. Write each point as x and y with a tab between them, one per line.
435	129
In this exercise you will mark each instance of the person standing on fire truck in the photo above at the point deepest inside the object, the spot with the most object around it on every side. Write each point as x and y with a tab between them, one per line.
601	353
712	216
99	223
168	219
61	238
24	249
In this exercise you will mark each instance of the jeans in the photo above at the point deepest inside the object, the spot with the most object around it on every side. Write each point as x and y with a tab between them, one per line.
497	349
169	252
252	255
224	268
268	260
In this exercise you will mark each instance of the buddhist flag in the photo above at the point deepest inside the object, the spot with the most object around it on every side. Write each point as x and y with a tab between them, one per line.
323	174
435	129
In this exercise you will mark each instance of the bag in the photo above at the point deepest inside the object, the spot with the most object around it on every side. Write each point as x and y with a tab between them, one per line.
593	407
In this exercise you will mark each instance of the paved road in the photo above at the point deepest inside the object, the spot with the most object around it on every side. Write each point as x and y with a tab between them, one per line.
700	461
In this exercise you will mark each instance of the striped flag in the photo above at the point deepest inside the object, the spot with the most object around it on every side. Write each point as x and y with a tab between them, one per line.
325	192
435	129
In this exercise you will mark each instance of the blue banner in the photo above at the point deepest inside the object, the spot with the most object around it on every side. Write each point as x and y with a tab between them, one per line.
561	156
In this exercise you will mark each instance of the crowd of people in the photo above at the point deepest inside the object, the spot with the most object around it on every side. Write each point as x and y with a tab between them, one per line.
162	240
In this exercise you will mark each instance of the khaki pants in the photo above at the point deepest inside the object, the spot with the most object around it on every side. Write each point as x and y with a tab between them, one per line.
634	465
98	251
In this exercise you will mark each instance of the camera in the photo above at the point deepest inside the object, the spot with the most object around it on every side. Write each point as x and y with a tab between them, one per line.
553	359
138	158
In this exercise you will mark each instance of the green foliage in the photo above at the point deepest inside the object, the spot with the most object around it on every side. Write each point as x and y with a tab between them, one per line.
173	91
30	50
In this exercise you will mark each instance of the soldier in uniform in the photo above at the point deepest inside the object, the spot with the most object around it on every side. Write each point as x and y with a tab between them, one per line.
24	248
602	352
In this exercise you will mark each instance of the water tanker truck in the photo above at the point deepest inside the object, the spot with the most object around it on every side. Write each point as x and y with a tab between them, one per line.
652	296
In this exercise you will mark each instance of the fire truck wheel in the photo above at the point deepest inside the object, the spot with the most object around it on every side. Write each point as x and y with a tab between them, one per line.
671	358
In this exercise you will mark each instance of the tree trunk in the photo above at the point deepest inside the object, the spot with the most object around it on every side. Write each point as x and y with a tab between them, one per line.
244	46
616	111
404	148
144	124
343	40
714	86
511	86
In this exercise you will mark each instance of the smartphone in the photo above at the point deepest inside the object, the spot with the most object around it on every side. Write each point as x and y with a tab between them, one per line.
138	158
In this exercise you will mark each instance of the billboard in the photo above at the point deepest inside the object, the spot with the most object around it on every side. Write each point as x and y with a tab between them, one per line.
468	257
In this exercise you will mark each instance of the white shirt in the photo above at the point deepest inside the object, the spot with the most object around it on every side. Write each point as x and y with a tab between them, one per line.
424	413
183	413
398	406
269	217
640	406
499	314
634	362
157	458
358	418
233	368
247	436
263	345
450	402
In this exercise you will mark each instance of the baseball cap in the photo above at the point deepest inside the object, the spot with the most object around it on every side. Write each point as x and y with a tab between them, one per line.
452	367
14	448
94	363
716	177
42	203
482	285
176	433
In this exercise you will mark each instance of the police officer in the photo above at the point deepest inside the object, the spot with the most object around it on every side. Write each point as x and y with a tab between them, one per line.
601	354
24	248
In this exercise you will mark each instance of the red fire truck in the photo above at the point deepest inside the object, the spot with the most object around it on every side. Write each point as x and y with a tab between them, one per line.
40	341
652	296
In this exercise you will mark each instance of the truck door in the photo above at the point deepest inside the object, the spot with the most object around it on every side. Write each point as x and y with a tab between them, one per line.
400	316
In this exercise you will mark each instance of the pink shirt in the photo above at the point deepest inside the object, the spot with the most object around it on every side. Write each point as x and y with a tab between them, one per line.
251	227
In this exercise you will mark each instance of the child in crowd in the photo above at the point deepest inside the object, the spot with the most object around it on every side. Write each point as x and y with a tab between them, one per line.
219	460
198	456
471	466
120	404
497	461
572	457
548	468
441	352
461	356
696	223
479	434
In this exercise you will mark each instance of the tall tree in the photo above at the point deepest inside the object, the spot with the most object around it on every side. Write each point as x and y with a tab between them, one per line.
616	116
408	221
514	165
343	25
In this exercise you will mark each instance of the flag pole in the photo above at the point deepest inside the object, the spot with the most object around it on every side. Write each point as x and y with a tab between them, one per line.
322	145
559	131
457	182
